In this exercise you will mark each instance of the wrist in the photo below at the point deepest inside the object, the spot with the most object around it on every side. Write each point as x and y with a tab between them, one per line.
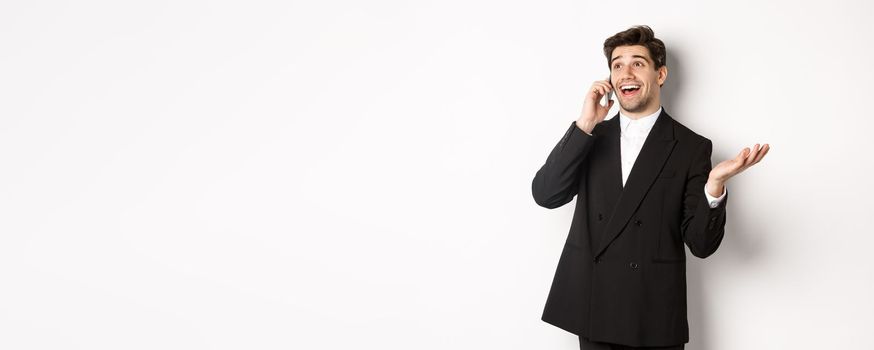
715	180
586	126
715	187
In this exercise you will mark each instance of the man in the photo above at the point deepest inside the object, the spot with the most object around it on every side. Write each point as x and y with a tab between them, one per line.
644	187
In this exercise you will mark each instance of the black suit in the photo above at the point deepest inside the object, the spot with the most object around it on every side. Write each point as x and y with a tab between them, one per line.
621	277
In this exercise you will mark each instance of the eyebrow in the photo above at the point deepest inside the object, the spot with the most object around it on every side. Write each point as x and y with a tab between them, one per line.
633	56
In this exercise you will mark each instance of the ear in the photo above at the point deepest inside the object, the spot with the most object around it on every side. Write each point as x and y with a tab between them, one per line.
663	74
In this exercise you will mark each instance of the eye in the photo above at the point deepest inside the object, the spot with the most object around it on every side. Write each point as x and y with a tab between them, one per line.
638	64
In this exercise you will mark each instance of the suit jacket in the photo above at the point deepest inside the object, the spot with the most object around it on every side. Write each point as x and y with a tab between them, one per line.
621	277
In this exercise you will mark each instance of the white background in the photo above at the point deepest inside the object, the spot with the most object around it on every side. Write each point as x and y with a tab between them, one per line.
357	174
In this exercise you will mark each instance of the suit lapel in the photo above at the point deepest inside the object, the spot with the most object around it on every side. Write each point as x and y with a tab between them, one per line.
613	162
655	152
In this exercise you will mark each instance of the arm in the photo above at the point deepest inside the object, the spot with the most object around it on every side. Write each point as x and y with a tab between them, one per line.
555	184
704	236
703	227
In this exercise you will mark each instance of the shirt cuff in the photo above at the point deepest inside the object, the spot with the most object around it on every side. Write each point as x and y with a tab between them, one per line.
714	201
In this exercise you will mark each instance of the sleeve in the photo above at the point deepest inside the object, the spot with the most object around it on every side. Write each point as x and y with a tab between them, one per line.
714	201
703	227
555	184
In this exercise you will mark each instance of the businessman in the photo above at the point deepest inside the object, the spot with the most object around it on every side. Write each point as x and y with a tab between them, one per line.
644	187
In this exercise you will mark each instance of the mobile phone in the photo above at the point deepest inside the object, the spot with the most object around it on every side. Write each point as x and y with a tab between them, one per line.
609	95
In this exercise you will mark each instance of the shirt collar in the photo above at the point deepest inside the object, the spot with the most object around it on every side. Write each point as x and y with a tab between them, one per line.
645	122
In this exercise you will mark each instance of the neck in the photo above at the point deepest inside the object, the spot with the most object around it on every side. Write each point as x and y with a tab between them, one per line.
643	113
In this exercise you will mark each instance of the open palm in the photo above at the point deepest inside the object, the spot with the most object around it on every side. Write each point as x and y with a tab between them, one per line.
745	159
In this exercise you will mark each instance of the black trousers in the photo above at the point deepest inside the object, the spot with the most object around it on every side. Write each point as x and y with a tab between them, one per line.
585	344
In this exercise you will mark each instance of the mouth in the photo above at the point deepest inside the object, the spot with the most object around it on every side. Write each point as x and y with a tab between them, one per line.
629	90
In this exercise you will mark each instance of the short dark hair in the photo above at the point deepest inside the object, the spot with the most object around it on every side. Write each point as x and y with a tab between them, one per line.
637	35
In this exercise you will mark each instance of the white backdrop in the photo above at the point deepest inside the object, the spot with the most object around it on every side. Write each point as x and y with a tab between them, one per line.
357	174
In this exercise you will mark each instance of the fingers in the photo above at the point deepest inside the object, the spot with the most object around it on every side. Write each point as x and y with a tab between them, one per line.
600	88
745	159
743	154
752	155
755	155
739	163
593	111
761	154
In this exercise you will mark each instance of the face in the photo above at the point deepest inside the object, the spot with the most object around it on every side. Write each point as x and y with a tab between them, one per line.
633	66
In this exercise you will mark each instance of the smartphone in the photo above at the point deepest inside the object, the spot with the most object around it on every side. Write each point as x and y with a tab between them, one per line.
609	95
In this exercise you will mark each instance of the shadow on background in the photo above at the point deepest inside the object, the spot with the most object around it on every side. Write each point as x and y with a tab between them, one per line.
738	244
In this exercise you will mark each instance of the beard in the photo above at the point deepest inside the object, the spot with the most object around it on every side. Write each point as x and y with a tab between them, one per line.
637	105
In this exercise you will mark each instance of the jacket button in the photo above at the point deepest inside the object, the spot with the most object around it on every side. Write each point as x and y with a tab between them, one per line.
600	217
633	265
596	260
638	222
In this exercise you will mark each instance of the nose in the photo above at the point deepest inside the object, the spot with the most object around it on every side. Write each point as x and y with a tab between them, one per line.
624	72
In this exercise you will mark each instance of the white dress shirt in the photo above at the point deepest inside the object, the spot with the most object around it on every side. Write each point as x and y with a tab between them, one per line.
632	135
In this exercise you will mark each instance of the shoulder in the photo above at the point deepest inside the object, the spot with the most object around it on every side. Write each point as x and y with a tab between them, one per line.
686	135
691	144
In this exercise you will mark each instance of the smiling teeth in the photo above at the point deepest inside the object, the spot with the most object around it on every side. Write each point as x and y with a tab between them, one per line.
626	87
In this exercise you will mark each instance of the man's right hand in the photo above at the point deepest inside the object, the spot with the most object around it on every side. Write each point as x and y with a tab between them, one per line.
593	112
